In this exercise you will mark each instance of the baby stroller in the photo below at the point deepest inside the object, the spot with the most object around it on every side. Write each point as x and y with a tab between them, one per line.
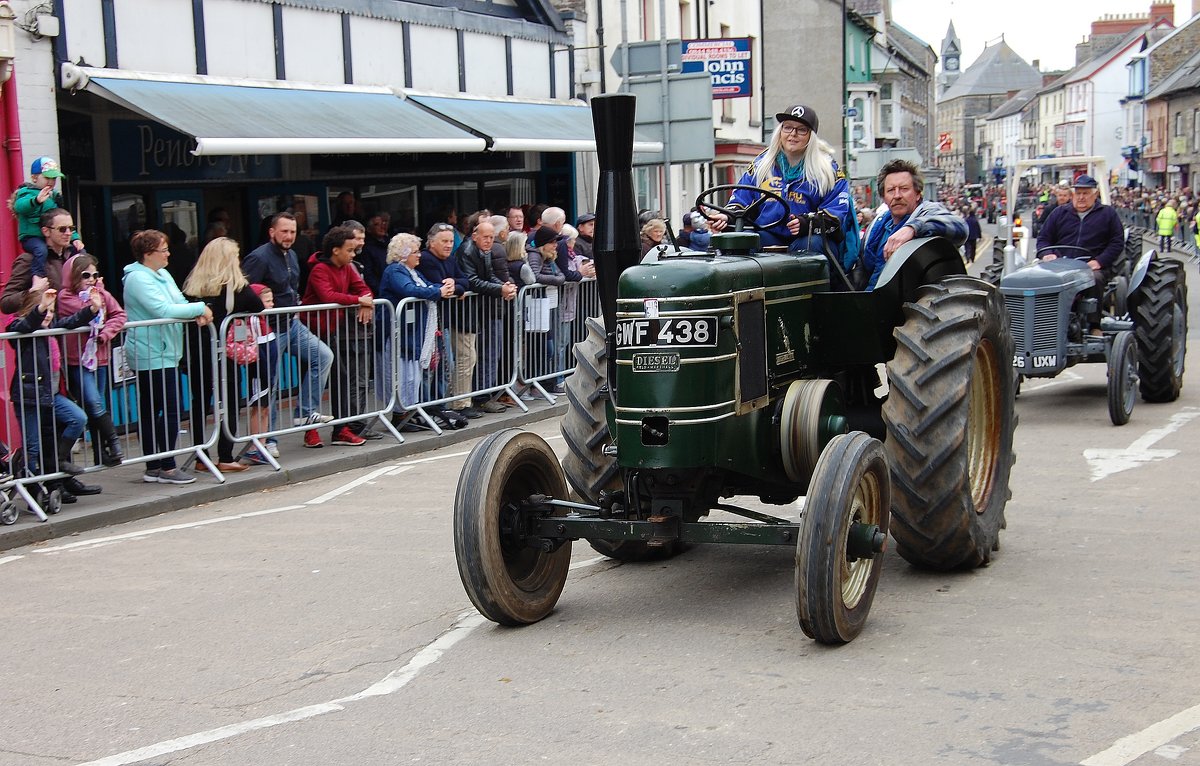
12	466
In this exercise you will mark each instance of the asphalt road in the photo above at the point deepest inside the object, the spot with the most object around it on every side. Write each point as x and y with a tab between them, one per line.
324	623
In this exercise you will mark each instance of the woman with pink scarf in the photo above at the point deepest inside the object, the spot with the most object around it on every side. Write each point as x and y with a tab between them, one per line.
88	354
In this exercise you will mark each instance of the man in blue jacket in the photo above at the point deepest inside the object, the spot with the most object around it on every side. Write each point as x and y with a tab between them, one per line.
274	264
912	216
1089	224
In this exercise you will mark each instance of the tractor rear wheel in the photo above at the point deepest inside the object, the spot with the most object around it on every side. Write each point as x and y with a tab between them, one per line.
584	428
1159	309
950	420
508	579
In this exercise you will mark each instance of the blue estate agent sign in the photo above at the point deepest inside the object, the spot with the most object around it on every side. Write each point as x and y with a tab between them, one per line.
148	151
726	61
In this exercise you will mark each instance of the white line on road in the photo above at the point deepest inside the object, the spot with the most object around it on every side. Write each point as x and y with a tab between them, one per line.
1128	749
171	528
7	559
389	684
1106	462
390	470
1065	377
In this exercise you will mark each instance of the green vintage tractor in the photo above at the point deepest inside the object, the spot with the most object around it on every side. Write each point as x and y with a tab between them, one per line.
735	372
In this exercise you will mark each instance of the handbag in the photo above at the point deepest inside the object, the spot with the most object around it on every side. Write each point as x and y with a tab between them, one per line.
241	339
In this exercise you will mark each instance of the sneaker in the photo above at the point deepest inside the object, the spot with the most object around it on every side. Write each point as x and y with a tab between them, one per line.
313	419
175	476
346	438
470	412
369	434
253	457
529	396
561	388
312	439
272	448
151	476
492	407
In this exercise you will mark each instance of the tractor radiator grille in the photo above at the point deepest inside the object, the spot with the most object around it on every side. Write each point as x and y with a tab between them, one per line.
1034	322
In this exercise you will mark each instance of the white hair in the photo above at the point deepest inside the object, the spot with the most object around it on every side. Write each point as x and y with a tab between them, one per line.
818	161
498	222
553	216
570	232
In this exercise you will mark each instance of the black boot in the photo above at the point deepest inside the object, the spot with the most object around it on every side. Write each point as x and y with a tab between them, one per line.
76	487
65	443
110	443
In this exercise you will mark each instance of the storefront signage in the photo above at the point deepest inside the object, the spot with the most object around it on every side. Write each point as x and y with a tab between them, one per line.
726	61
147	151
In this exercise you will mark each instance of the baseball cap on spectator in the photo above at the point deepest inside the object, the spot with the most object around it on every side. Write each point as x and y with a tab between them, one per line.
45	166
1085	182
543	235
799	113
585	218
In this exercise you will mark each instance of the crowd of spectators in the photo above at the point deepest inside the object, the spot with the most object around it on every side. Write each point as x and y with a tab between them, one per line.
449	348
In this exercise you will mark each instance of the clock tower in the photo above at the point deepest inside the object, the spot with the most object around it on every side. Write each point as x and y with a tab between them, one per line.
951	53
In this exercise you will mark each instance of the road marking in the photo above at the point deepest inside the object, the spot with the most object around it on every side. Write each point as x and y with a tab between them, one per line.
389	684
1128	749
1106	462
171	528
585	563
361	480
7	559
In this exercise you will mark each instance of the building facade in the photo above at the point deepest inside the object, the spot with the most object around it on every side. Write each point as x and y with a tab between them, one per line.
248	107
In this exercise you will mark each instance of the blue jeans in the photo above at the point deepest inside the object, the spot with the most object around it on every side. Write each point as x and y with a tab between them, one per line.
44	424
89	387
316	360
36	247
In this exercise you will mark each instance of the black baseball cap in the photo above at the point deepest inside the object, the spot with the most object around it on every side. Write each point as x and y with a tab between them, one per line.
799	113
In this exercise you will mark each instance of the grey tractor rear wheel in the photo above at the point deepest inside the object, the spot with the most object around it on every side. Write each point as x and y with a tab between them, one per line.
1159	309
508	580
584	428
950	420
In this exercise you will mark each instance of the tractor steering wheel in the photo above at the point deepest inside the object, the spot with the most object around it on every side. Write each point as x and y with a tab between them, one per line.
742	218
1055	248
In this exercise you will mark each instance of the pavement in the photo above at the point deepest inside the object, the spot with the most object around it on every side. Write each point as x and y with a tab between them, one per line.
126	497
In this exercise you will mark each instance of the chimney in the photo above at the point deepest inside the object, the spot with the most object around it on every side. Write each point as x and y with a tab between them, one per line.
1163	12
1037	63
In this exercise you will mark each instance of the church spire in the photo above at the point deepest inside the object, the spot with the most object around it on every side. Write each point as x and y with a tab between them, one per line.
951	50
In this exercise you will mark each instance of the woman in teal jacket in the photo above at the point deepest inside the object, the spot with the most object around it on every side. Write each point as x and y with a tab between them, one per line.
154	352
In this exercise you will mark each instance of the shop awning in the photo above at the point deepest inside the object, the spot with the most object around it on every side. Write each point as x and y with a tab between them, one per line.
263	119
524	126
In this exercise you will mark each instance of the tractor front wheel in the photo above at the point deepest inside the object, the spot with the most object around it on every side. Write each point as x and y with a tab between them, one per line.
839	554
510	578
950	420
1122	378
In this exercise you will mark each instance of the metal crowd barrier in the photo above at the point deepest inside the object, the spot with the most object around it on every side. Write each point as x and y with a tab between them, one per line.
480	347
278	393
552	322
142	376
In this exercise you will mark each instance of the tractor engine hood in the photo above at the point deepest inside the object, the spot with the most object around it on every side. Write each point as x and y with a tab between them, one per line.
1043	274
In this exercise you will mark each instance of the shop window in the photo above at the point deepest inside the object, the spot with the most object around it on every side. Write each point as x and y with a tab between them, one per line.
646	184
439	200
399	201
498	194
308	219
128	214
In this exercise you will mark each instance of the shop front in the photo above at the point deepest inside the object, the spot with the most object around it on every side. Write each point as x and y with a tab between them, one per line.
142	157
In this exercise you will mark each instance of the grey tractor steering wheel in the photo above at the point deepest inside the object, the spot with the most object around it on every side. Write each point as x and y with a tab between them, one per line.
743	218
1056	248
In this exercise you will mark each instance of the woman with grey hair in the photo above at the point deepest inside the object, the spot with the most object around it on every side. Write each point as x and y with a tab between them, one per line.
417	320
799	166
